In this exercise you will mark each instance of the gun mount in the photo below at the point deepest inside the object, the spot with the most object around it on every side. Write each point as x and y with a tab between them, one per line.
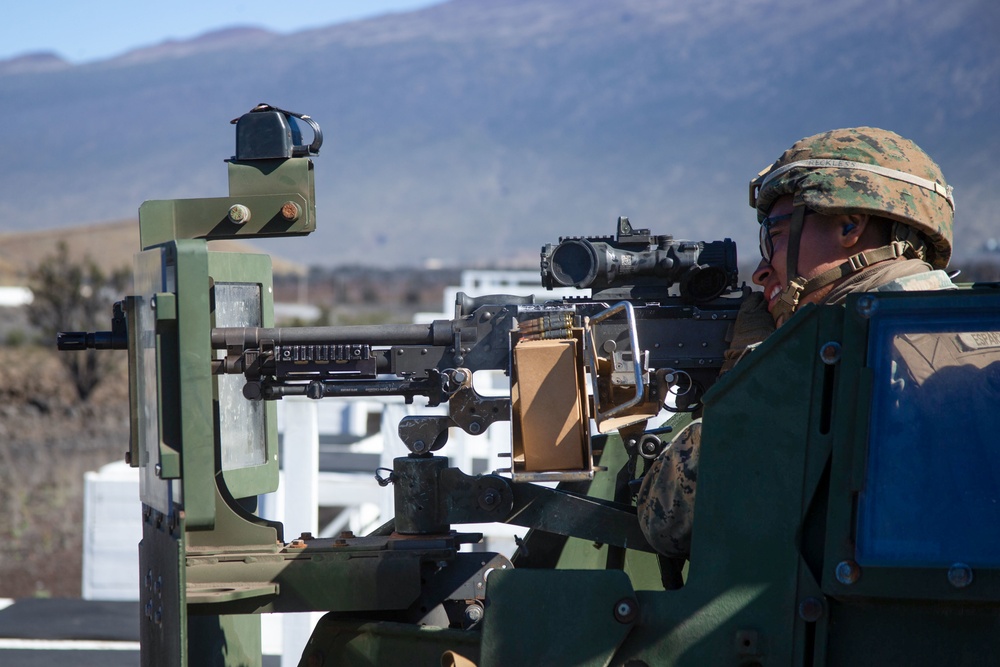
804	553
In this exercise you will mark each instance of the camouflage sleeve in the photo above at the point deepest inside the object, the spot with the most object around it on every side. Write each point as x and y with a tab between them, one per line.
666	497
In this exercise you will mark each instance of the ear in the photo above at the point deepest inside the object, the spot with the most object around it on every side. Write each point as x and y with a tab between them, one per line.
853	227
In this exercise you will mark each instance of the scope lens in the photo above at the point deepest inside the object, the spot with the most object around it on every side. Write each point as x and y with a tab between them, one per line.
705	283
574	263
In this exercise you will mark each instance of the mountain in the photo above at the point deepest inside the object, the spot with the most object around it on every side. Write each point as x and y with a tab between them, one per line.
477	130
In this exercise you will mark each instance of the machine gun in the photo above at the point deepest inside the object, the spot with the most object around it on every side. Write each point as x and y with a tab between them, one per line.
651	336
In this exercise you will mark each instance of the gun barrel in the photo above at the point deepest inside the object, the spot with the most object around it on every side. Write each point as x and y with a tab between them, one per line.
95	340
438	332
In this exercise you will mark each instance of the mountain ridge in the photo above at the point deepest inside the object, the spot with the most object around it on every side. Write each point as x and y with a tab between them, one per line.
478	130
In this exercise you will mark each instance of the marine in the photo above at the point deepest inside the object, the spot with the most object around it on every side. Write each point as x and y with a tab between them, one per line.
851	210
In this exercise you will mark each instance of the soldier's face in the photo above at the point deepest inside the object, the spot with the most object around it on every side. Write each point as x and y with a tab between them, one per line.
819	249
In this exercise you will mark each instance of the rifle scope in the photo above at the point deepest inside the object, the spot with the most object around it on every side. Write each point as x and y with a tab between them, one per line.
703	270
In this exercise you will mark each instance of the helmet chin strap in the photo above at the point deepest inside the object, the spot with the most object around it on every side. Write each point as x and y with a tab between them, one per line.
788	302
799	287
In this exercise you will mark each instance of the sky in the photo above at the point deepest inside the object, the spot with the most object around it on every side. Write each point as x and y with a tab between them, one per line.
97	29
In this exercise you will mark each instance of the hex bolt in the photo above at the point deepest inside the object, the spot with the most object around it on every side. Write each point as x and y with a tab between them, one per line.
290	211
473	614
239	214
419	447
475	428
959	575
847	572
489	499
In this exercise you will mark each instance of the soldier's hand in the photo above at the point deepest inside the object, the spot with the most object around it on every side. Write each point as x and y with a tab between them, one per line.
753	324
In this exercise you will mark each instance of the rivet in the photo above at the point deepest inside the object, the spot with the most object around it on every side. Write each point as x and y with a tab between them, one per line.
847	572
959	575
830	353
626	610
810	609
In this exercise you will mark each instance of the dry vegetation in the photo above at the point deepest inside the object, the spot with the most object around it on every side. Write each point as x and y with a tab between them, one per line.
112	243
47	442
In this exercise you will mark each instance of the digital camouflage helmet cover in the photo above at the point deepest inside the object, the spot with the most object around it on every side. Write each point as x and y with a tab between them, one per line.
860	170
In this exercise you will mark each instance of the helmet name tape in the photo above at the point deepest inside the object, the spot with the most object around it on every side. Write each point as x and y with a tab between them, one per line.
895	174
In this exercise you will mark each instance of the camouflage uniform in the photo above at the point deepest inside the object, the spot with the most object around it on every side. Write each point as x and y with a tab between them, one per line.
843	172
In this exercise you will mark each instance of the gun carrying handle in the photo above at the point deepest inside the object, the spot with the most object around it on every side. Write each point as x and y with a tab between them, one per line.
600	415
313	148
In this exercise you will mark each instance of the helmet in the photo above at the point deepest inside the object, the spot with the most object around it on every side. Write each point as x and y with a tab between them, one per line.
865	170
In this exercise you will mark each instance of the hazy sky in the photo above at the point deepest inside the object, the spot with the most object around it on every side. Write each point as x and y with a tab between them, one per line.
82	31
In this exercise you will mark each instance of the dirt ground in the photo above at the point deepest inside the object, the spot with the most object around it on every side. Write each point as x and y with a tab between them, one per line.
48	440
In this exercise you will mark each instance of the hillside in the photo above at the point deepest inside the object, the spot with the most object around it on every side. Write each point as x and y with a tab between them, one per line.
477	130
112	244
